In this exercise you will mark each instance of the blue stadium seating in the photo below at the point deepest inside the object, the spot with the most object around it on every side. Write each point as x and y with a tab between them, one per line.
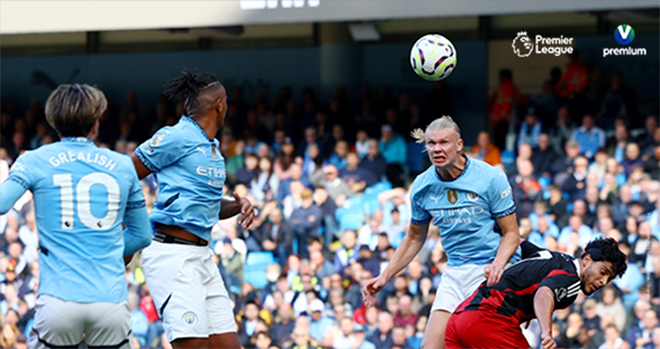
256	277
378	188
260	259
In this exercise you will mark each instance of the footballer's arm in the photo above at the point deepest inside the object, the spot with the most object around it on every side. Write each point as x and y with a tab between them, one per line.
508	245
544	305
10	192
409	247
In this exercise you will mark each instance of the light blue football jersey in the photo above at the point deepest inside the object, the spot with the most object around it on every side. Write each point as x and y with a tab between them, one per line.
465	209
190	172
81	194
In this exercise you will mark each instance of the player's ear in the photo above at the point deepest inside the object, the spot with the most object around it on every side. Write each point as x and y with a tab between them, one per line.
460	145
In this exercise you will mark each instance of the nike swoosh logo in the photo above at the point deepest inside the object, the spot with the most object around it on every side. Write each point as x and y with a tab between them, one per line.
202	150
624	34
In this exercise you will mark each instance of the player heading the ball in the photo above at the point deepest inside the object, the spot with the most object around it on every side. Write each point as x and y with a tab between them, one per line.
465	198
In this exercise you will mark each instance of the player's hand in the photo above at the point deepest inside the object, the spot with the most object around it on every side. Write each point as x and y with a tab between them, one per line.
247	211
373	286
493	272
547	342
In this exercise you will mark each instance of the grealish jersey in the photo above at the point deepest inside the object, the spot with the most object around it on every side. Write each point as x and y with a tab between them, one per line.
81	193
465	209
190	172
513	296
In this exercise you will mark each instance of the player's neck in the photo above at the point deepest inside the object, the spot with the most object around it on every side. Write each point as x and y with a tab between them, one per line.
207	123
453	170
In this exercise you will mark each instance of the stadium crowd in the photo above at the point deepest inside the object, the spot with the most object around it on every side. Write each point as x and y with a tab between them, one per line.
330	183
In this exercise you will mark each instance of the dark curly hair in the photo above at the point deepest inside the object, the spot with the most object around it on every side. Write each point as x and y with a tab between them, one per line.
189	84
607	250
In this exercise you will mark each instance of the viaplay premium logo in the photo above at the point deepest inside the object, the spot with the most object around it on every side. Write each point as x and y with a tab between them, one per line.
624	34
523	46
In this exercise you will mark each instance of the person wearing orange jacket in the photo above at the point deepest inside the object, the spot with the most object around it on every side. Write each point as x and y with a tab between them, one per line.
485	150
502	104
575	80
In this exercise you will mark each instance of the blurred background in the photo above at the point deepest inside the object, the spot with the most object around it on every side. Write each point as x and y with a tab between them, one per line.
322	101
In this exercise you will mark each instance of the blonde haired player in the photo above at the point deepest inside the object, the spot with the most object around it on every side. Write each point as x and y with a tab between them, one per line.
464	197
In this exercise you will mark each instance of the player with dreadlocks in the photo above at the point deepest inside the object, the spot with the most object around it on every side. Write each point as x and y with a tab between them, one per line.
185	284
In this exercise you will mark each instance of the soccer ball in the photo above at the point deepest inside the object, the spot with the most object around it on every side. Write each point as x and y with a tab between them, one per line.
433	57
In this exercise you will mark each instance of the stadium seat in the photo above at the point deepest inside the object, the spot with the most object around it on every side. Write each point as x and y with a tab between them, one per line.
256	277
351	220
260	258
507	158
370	203
378	188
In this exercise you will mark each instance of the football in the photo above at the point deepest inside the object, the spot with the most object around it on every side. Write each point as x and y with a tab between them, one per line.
433	57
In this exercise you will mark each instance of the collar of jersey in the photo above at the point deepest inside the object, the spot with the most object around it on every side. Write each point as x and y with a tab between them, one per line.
199	128
577	266
467	163
77	140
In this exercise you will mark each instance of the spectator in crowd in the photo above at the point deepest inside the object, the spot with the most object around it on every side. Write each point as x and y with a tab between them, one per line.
575	184
530	129
543	156
382	337
320	324
373	161
638	337
562	130
619	102
274	235
357	178
502	104
616	145
393	148
632	159
486	151
347	254
589	136
305	221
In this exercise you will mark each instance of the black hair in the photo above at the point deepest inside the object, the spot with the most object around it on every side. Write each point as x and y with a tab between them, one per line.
607	250
189	84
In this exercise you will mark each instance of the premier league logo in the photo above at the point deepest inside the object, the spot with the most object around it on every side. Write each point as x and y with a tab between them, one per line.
452	196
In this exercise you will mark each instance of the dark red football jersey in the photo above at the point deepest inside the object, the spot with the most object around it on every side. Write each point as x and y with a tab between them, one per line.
513	295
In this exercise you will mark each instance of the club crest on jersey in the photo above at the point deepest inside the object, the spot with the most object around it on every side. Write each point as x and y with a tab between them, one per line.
189	318
452	196
472	196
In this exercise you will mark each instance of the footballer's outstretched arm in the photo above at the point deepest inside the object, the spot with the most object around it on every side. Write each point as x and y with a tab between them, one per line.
544	305
409	247
10	192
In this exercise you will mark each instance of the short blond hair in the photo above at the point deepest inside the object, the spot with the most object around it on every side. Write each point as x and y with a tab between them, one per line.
438	124
72	109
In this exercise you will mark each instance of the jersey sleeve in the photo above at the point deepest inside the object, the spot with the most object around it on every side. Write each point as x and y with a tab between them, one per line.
500	196
135	194
163	149
528	249
20	172
420	216
564	284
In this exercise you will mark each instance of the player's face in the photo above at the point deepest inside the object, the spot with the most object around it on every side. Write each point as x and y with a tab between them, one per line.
596	275
443	146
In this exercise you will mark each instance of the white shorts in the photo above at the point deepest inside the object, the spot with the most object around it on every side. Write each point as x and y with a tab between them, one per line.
187	290
456	285
60	323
